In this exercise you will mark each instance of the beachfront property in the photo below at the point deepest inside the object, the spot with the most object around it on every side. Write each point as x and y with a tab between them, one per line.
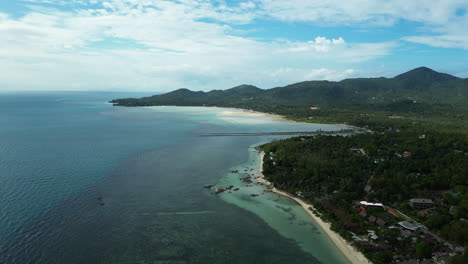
367	204
421	203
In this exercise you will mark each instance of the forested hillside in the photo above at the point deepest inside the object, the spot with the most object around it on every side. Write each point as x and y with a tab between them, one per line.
410	91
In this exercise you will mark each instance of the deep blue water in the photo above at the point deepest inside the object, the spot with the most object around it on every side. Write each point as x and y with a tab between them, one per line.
82	181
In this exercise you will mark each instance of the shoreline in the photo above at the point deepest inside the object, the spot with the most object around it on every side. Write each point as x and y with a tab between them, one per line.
356	127
351	254
354	256
275	117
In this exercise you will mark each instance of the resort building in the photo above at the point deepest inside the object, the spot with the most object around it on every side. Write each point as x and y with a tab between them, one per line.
365	203
421	203
409	226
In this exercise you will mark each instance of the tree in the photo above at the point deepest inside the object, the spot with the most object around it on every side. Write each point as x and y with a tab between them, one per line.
423	250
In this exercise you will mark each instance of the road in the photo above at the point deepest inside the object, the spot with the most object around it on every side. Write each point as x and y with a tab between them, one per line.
422	227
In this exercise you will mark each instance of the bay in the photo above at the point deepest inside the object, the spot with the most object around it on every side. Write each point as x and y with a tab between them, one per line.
85	182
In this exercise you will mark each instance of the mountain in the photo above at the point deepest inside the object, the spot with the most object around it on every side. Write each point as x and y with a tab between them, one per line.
185	97
244	90
415	90
424	74
422	77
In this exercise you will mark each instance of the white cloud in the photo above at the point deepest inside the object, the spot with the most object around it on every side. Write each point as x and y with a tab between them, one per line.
3	16
319	44
444	41
451	35
379	12
247	5
338	50
292	75
441	21
167	45
333	75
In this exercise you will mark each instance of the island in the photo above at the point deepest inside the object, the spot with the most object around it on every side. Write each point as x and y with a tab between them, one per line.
399	191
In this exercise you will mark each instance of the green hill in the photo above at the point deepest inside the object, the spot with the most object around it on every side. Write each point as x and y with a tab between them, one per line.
420	85
419	93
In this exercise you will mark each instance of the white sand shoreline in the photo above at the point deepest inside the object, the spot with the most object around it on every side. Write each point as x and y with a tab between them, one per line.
354	256
273	116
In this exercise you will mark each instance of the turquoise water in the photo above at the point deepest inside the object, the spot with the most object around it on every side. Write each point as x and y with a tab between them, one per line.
84	182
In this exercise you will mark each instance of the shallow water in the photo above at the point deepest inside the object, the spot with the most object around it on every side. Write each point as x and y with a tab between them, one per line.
85	182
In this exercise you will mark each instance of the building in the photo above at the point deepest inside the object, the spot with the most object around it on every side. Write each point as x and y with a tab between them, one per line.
407	154
408	225
421	203
367	204
372	235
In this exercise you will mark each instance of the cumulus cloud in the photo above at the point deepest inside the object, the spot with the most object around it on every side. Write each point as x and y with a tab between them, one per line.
319	44
338	49
307	74
327	74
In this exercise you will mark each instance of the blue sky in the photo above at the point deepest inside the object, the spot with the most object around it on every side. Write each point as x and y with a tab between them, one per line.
161	45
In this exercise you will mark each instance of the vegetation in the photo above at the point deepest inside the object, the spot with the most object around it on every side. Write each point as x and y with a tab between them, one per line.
374	167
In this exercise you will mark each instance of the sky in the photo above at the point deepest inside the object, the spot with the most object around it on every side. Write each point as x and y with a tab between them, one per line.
162	45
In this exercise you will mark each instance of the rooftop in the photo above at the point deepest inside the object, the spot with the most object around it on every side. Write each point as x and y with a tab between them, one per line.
408	225
371	204
417	200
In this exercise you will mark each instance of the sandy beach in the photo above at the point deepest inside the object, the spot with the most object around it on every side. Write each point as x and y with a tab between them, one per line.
348	251
355	127
239	112
234	113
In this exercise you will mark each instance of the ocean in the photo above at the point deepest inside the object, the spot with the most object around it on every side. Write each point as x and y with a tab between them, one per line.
82	181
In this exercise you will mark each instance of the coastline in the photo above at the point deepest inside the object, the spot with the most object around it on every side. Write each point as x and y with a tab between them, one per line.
351	254
354	256
275	117
357	128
